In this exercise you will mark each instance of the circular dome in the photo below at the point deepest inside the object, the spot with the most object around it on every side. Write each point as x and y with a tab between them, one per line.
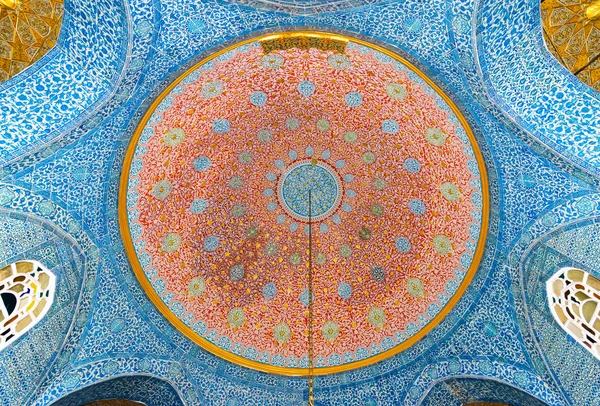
246	151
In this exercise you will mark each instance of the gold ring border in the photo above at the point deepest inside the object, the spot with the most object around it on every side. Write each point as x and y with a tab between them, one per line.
237	359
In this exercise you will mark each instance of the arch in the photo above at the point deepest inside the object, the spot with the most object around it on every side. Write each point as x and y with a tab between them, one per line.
26	294
143	389
477	391
562	236
573	298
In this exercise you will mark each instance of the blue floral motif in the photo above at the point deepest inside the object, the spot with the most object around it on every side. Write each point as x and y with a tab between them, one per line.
221	126
258	98
389	126
417	207
198	206
412	165
269	291
211	243
306	88
402	244
354	99
196	25
202	163
344	290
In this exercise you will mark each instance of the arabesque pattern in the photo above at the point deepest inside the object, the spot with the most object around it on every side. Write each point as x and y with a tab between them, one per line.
218	203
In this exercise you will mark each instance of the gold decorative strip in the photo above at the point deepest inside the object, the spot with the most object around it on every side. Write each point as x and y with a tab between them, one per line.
282	42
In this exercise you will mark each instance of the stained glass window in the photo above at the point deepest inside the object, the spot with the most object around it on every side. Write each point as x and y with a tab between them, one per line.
573	296
26	293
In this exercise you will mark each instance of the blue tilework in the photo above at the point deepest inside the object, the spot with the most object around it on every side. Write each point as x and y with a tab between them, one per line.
530	86
114	58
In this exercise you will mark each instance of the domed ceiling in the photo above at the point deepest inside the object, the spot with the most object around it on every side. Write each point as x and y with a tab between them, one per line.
246	152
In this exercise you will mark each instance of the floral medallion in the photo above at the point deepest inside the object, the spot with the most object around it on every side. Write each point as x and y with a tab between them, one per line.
245	152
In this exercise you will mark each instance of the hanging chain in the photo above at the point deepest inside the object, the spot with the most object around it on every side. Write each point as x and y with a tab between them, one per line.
311	377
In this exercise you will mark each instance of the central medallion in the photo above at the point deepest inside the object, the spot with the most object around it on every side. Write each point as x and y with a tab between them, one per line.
310	175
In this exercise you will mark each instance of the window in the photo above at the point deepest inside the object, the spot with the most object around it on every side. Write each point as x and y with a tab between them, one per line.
573	296
26	293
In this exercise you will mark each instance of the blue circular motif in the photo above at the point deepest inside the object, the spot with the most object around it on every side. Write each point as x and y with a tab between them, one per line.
304	178
378	273
344	290
211	243
202	164
221	126
417	207
412	165
306	88
236	272
389	126
198	206
258	98
304	297
402	244
269	291
354	99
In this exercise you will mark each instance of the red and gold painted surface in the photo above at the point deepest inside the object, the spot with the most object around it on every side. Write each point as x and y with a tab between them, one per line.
217	196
